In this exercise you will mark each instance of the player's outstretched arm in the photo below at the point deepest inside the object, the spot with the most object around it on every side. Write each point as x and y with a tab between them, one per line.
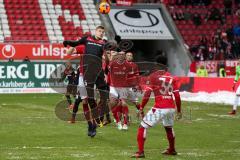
145	99
178	104
75	43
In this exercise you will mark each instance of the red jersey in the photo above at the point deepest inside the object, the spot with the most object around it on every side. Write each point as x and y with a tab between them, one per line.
165	90
119	74
163	86
144	83
133	75
193	67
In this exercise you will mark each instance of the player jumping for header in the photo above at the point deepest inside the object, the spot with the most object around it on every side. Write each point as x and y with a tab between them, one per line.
93	74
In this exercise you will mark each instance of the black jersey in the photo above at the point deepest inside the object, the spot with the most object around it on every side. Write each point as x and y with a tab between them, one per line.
71	75
92	57
92	45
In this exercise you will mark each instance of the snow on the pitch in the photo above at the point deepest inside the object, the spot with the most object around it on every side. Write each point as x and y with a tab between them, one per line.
221	97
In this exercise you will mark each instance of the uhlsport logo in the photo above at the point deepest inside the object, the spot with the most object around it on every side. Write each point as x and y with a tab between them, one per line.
136	18
8	51
49	51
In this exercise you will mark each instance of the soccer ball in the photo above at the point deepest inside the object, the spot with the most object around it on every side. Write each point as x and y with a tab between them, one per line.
104	8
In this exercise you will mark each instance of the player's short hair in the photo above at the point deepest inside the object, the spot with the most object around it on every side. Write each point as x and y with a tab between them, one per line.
129	52
100	27
161	63
161	60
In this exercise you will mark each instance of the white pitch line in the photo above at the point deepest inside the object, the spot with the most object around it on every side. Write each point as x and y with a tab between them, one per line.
38	147
82	155
223	116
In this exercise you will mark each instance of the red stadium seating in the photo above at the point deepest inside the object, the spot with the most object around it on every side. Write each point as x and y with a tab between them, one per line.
22	16
47	20
187	28
69	31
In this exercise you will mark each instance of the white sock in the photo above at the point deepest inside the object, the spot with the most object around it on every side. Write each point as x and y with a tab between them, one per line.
236	102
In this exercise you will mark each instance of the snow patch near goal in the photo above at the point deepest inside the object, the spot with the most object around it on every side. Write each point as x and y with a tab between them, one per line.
221	97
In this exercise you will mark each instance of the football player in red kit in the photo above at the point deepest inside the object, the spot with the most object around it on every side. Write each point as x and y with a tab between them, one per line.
165	90
120	75
116	110
131	80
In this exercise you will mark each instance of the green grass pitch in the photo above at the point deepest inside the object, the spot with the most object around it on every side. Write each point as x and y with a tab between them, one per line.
29	129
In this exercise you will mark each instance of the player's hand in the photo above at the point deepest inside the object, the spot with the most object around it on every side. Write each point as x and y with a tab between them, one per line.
117	38
65	43
179	116
140	113
134	89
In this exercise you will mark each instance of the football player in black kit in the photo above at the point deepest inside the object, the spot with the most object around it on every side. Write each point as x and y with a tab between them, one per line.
93	74
72	78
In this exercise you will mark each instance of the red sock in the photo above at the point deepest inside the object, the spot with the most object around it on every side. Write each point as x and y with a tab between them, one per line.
86	112
141	139
171	138
115	111
138	106
125	114
120	112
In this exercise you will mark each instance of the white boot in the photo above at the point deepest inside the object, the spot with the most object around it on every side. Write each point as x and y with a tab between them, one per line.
119	125
125	127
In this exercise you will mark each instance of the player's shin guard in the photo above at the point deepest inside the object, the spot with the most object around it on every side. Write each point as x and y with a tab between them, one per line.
68	99
141	137
125	114
87	115
76	105
138	106
100	107
103	106
94	110
171	138
108	117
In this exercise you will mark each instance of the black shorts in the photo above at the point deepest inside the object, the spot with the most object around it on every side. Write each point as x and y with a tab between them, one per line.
71	89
